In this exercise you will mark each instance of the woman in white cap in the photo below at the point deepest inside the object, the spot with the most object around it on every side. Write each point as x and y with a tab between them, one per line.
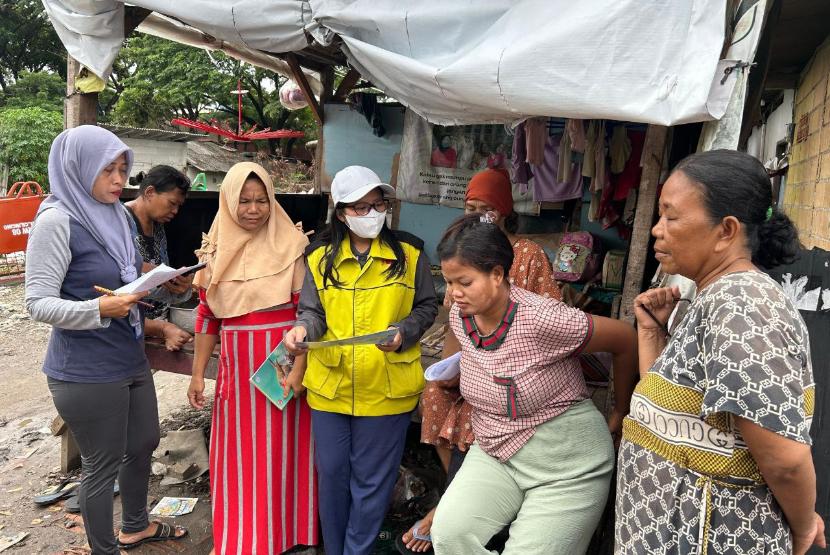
361	278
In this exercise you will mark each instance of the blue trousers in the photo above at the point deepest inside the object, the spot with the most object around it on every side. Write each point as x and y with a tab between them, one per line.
357	466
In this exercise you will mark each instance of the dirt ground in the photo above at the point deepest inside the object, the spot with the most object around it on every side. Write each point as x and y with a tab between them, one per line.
30	455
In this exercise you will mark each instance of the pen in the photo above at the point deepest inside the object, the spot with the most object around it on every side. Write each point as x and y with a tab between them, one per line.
111	293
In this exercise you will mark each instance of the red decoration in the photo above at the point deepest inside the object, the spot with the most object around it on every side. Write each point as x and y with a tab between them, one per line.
239	135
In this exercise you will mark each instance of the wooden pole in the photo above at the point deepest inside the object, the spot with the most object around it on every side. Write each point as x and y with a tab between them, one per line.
79	109
346	85
653	153
301	80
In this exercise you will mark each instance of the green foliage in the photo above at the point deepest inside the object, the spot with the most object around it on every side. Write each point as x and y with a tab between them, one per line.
28	41
25	137
41	89
155	80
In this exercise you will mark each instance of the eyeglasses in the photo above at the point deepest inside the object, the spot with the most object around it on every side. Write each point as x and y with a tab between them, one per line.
363	208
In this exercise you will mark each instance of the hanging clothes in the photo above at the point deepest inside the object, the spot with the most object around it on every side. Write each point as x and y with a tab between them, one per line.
600	180
576	130
589	162
536	131
521	173
629	177
548	184
619	149
565	154
367	104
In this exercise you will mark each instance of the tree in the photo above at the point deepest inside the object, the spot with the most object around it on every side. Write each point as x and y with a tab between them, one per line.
28	41
25	137
42	89
155	80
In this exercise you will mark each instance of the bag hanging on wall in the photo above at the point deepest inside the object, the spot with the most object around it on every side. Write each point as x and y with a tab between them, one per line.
578	258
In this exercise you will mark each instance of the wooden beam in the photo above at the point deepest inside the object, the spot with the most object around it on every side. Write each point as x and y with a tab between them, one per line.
70	454
653	153
299	77
346	85
133	16
78	108
327	80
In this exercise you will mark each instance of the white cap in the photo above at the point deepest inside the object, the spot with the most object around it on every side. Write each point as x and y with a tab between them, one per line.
355	182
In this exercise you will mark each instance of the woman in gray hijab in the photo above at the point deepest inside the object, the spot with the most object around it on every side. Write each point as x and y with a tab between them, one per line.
95	365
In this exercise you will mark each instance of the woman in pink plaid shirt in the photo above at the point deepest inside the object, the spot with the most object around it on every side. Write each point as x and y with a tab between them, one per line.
543	455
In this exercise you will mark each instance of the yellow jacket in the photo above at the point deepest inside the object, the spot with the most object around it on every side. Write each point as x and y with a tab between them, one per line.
362	380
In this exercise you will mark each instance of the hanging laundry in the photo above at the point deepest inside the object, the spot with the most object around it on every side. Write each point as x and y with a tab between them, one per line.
600	180
589	163
536	130
576	129
521	169
620	149
367	104
629	178
601	177
548	184
565	154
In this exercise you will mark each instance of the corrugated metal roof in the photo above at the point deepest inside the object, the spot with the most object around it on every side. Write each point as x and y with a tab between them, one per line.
127	132
212	157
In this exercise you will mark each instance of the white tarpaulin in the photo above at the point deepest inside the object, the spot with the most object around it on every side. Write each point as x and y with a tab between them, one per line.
651	61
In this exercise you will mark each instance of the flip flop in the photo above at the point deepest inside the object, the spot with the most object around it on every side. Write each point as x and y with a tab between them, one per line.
164	532
401	546
73	504
61	491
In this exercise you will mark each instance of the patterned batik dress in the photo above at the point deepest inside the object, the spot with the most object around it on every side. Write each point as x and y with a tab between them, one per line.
687	482
263	486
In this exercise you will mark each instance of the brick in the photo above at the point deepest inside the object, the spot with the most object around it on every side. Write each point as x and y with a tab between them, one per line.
811	169
815	121
820	96
821	223
805	89
822	194
825	166
824	142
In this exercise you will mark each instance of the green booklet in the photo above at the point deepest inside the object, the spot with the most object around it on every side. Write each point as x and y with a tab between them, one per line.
266	380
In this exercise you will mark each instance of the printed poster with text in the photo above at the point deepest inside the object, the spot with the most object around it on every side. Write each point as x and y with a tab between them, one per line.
437	162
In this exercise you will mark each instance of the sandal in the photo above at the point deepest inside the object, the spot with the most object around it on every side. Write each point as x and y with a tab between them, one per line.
164	532
73	504
61	491
401	545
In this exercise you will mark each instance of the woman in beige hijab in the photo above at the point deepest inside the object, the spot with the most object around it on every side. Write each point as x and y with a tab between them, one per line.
261	458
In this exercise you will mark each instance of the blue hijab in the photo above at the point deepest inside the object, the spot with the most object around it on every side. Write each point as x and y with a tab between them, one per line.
77	157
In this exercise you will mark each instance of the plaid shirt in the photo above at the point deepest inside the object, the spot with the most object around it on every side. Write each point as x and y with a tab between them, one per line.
532	377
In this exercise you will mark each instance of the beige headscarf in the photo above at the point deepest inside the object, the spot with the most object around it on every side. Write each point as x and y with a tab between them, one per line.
248	271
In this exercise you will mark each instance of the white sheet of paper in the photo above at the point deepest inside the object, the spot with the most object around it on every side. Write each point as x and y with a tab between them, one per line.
444	369
152	279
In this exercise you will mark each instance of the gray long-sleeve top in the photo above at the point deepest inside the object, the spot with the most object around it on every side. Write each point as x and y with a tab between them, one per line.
312	316
63	262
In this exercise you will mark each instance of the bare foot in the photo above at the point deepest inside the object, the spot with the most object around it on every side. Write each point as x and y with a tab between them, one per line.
424	526
126	539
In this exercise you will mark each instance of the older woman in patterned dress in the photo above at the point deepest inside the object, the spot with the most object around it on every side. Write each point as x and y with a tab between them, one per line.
715	456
